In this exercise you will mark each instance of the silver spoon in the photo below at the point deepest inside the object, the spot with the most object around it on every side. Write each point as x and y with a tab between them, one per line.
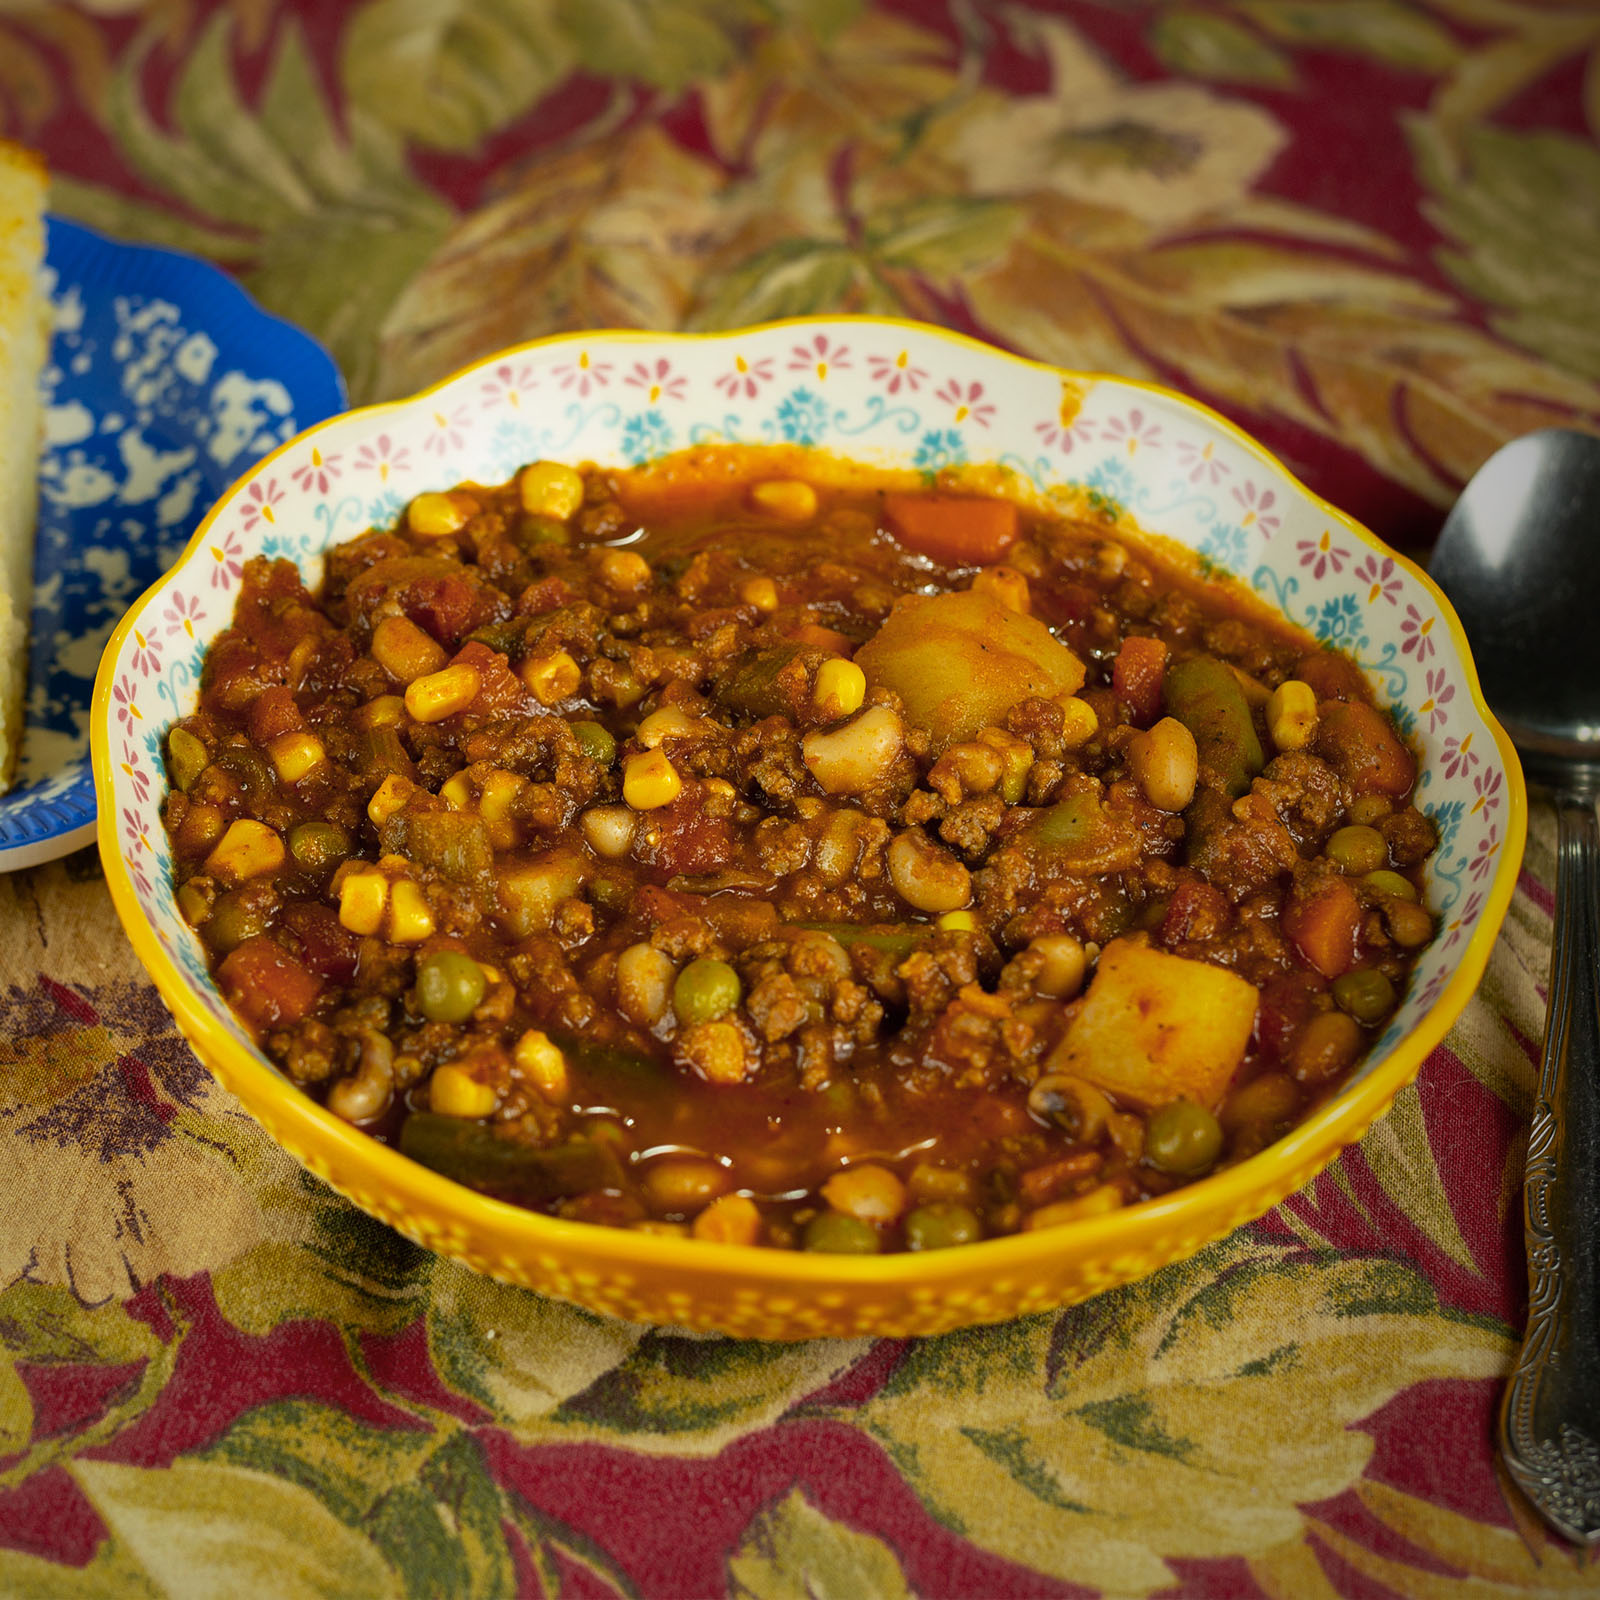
1519	558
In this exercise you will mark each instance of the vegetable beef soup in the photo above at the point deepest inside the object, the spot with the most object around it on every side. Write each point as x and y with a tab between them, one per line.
822	863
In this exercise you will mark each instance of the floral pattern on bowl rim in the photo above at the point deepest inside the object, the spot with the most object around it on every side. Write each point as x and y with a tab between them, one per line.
888	393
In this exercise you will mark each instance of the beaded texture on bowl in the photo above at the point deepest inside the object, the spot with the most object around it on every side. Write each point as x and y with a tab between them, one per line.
889	394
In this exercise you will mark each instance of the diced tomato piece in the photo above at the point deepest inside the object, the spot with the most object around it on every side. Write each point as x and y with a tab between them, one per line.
1287	1003
1331	676
502	690
1323	925
1361	744
1136	676
953	529
1197	910
274	712
266	985
545	595
682	838
326	945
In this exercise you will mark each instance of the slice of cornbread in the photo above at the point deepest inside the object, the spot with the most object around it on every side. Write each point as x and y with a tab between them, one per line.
24	340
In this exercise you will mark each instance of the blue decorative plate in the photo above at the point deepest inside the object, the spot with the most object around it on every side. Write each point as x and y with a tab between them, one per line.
165	382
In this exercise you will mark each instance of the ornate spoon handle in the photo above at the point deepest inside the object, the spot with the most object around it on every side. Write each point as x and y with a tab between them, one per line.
1550	1417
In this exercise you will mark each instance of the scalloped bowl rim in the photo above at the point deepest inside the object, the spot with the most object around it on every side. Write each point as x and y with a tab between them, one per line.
1338	1123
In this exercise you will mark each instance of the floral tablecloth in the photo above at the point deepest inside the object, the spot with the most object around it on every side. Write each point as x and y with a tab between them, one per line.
1368	230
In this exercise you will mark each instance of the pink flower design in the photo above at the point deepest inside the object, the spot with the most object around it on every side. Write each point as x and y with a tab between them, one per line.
380	455
968	401
137	833
1320	554
137	776
1380	576
746	377
1258	504
1201	462
506	385
657	379
1487	784
146	657
1440	693
181	614
127	712
1482	863
1459	757
1134	432
1414	629
584	374
141	879
230	565
449	431
896	374
259	499
1063	436
320	471
821	354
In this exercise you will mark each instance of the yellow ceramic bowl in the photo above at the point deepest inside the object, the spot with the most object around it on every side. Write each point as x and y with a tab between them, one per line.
892	394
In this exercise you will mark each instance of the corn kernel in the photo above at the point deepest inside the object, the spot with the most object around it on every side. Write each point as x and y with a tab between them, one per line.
552	679
625	570
788	498
363	898
649	780
729	1219
443	694
543	1064
550	489
389	797
1079	723
295	754
841	687
762	593
670	722
1292	714
457	792
246	850
957	922
497	794
410	916
1006	585
435	515
1016	760
453	1092
384	712
404	651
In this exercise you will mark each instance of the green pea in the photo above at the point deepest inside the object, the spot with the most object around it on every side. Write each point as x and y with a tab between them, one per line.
705	990
1391	885
1183	1139
937	1226
1366	994
534	529
1357	850
597	742
835	1234
187	757
450	986
318	847
238	915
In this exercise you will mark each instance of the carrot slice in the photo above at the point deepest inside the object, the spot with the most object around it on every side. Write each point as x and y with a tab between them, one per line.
960	531
1323	926
266	985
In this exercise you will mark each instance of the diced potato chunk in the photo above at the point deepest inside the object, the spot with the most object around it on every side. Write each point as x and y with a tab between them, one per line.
1156	1027
960	661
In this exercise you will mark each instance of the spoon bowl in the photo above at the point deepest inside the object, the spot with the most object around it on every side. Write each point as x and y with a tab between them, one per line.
1520	559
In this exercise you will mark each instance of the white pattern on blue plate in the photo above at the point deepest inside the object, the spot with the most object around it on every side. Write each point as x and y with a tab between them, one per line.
165	382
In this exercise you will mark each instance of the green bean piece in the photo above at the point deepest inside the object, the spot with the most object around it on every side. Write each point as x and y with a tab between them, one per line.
1071	822
318	847
1390	885
1357	850
482	1159
506	637
1203	694
609	1061
187	757
705	990
1366	994
755	686
248	768
940	1225
236	916
1182	1138
451	843
450	986
835	1234
597	742
897	942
